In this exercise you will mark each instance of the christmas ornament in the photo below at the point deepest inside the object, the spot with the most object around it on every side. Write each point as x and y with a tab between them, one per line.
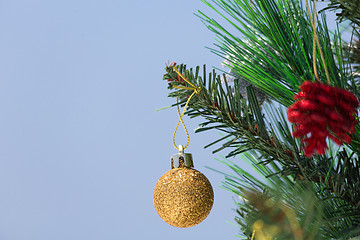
322	111
183	196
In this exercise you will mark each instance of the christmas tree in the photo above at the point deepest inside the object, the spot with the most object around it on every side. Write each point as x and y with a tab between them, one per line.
289	105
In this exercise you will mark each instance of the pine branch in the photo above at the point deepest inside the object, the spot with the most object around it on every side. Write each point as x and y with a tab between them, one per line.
320	216
241	119
275	53
351	59
285	210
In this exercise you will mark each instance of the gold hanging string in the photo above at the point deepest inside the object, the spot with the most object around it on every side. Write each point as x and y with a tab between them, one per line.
316	41
196	90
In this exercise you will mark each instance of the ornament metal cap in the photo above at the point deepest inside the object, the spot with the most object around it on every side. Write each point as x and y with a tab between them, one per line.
181	159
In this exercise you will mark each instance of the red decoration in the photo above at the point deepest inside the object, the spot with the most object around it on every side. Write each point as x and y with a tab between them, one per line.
322	111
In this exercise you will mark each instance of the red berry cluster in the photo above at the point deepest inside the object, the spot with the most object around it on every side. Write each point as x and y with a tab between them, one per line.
322	111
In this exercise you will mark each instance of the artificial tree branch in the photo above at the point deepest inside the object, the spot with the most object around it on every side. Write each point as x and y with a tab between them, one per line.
241	119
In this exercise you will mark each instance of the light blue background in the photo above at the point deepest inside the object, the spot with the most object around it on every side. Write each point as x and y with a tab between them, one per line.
81	146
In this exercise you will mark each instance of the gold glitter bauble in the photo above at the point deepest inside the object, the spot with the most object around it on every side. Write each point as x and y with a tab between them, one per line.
183	197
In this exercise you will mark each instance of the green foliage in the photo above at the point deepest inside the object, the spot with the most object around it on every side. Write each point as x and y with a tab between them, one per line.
275	53
351	60
226	110
275	201
284	209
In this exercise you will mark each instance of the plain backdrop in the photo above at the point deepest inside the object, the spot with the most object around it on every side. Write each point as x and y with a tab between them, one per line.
81	145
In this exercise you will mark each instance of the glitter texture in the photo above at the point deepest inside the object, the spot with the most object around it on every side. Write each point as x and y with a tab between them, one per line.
183	197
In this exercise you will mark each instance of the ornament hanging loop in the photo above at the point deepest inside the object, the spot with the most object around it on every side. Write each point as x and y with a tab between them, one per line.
181	149
196	90
181	159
